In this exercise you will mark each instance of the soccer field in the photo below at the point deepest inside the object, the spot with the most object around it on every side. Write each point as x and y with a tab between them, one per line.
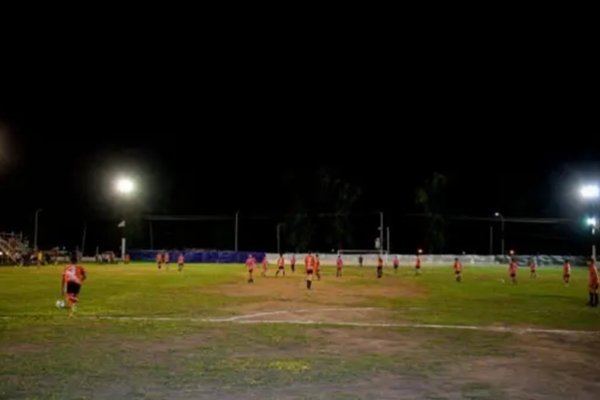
205	333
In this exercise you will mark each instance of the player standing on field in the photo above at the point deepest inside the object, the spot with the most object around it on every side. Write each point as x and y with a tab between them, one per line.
159	260
309	262
280	265
532	268
293	263
317	266
379	267
396	263
593	283
457	269
250	264
512	270
265	265
566	271
166	259
180	262
418	265
339	264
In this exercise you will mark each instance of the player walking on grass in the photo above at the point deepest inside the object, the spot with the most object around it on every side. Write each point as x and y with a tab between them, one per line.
317	267
309	265
396	263
72	279
180	262
512	270
379	267
293	263
265	266
339	264
280	265
418	265
250	264
360	261
532	268
593	283
457	269
566	272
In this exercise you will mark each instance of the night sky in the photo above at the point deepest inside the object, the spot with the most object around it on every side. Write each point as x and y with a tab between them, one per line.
262	143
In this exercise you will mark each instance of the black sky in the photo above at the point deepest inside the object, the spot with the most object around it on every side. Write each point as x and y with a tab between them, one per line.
220	139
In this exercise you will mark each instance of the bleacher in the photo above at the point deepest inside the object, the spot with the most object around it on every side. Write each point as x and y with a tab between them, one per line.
13	250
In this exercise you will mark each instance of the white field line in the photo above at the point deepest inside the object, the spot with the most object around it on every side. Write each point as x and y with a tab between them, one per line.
248	319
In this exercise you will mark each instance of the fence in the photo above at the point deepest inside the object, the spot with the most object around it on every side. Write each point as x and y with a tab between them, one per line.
228	257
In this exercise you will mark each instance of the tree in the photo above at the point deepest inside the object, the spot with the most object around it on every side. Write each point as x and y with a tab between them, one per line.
322	219
431	197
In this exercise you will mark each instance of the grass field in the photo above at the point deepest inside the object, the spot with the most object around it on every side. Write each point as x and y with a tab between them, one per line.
140	333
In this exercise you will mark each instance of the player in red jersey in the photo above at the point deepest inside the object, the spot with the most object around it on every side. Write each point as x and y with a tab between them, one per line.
532	268
265	266
458	269
309	267
339	264
72	279
566	272
166	259
250	264
512	270
593	283
379	267
317	267
280	265
159	260
180	262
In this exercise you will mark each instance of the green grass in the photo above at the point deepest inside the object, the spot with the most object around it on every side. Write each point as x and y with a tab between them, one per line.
485	297
43	354
119	291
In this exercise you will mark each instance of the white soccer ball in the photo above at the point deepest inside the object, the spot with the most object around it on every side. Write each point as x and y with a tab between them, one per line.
60	304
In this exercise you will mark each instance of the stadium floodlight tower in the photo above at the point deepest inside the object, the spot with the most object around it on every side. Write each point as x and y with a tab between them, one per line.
593	223
497	214
591	194
125	187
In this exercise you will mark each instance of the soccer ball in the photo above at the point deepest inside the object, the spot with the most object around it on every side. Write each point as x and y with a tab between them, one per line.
60	304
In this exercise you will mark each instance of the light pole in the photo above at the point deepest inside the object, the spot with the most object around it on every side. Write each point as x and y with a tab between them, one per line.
124	187
380	232
593	222
497	214
237	214
388	239
278	239
35	230
591	193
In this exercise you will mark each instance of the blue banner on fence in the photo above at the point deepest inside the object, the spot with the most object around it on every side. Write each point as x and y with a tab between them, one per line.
198	256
